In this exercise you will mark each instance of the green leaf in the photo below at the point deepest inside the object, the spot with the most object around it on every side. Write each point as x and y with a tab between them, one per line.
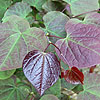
16	40
65	84
6	74
91	87
52	6
55	89
4	4
82	6
20	9
49	97
55	23
11	90
36	3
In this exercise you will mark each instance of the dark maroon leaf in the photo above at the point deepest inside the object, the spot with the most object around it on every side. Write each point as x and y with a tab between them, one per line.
73	76
41	69
81	47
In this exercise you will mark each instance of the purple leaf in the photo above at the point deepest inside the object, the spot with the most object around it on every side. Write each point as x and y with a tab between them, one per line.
81	47
41	69
16	40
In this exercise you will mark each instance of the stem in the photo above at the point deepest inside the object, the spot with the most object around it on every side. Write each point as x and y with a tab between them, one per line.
85	13
53	45
47	47
55	36
56	47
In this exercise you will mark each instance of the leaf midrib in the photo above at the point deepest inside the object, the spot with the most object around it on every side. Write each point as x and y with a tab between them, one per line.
79	43
11	50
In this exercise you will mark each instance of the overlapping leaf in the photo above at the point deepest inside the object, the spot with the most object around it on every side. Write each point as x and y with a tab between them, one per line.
41	69
20	9
16	40
91	87
36	3
55	22
4	4
55	89
73	76
81	47
93	18
81	6
11	90
52	6
6	74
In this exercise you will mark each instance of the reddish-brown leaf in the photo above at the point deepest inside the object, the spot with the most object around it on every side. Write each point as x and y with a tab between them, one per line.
73	76
92	69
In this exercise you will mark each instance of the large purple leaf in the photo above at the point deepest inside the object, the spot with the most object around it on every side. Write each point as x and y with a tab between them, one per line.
16	40
91	87
81	47
41	69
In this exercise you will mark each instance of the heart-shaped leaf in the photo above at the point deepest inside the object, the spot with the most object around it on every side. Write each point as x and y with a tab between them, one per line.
81	47
91	87
73	76
10	89
16	40
55	24
20	9
41	69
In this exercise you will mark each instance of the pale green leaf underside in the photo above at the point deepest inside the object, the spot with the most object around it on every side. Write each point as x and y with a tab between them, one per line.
4	4
91	87
82	6
20	9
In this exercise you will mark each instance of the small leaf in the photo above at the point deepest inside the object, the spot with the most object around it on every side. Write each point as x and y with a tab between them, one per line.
91	87
73	76
41	69
20	9
81	47
92	69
